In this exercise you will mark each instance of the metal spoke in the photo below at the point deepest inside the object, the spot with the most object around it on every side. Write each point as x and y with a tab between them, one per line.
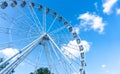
62	53
21	57
66	40
47	56
35	18
58	58
18	40
44	19
27	18
57	30
7	30
38	59
51	59
12	20
52	24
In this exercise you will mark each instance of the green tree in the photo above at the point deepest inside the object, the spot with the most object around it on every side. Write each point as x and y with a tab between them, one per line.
42	71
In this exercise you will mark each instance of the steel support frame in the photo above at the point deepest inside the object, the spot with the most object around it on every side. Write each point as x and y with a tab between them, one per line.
19	57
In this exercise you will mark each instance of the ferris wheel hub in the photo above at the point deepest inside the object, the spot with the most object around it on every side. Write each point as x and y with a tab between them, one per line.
45	37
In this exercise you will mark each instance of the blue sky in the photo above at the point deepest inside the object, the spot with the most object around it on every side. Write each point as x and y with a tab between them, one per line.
97	23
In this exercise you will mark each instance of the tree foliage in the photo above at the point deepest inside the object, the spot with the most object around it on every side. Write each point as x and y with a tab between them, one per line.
42	71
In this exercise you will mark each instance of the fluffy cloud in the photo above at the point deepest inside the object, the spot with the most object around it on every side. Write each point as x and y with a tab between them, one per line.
118	11
76	73
92	21
107	5
103	66
8	52
72	50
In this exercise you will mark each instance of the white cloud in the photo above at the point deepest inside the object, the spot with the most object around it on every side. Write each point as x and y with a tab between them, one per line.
72	50
118	11
107	5
92	21
103	66
8	52
76	73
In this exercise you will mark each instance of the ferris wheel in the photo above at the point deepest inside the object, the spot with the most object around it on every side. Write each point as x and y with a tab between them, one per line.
40	35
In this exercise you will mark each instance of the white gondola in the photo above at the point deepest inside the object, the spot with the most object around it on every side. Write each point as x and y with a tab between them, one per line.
60	18
78	41
40	7
70	29
65	23
23	4
32	4
47	10
14	3
82	55
4	5
81	48
74	34
54	14
81	71
84	72
82	63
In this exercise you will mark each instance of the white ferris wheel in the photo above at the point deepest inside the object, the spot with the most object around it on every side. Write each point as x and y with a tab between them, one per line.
40	35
